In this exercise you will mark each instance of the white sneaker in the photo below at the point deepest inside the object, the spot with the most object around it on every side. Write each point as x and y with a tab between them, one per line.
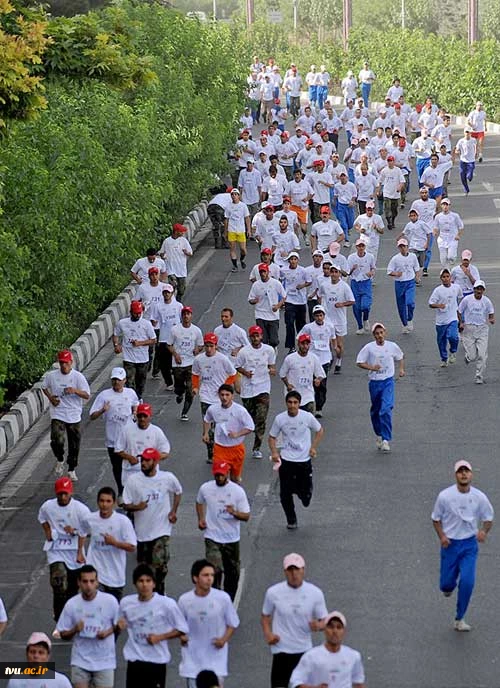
379	441
170	388
385	446
404	330
360	331
366	326
410	326
479	380
452	358
256	454
59	468
460	625
444	364
73	476
347	244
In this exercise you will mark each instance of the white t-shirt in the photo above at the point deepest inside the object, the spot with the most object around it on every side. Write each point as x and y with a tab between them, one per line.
449	296
166	315
110	562
466	149
130	330
284	243
207	617
318	180
291	281
235	214
232	419
425	209
391	180
269	294
383	355
133	440
69	409
330	294
141	267
152	522
294	434
345	193
292	609
300	372
298	191
475	311
175	258
370	225
250	183
460	513
120	411
340	669
64	547
321	336
364	265
256	360
448	225
265	229
408	265
213	372
158	615
150	296
222	527
230	338
59	681
477	119
366	185
417	234
87	651
274	272
459	277
326	232
184	340
275	188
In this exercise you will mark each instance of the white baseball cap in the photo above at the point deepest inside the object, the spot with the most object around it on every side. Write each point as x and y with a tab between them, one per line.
118	373
293	559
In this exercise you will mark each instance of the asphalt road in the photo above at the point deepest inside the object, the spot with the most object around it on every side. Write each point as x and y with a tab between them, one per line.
367	537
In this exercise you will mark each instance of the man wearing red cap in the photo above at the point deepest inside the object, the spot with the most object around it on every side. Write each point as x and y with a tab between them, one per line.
266	258
135	437
184	341
265	225
153	496
391	182
268	296
175	250
150	294
325	230
255	362
140	268
211	369
292	611
66	389
133	336
63	520
462	517
221	505
301	192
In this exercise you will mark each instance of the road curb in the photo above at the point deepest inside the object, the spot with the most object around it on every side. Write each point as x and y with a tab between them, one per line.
33	403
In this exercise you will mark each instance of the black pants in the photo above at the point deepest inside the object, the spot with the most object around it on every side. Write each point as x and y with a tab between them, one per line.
310	305
334	138
216	215
282	668
116	592
116	465
165	363
320	392
295	319
146	675
136	376
183	385
295	478
270	331
153	356
58	430
391	211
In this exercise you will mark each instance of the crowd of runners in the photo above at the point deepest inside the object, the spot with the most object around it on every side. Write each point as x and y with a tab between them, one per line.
318	189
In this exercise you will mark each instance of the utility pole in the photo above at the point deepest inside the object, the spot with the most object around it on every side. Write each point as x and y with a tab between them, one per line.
403	22
250	13
347	22
472	22
295	13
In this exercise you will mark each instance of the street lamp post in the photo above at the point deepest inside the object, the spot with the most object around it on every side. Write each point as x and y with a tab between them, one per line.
403	21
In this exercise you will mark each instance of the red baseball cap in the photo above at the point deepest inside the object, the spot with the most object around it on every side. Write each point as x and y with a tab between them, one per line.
153	269
324	209
179	228
304	337
151	453
136	307
266	252
254	329
65	356
186	309
287	198
221	467
210	338
63	485
263	267
144	410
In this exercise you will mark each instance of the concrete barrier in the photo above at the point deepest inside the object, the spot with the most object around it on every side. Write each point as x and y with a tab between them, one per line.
32	403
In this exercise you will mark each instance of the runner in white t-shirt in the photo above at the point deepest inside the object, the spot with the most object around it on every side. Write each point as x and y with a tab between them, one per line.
176	249
291	452
318	665
221	505
112	535
292	611
117	406
256	363
477	121
465	274
211	619
448	228
89	619
268	296
164	316
475	314
139	271
405	269
66	389
63	520
444	299
302	372
38	650
151	620
266	256
336	296
231	337
153	496
378	358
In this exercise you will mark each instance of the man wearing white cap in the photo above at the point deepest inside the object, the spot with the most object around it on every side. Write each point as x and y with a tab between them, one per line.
292	611
405	269
332	659
465	274
378	358
418	234
38	650
236	228
336	296
475	313
117	406
165	315
250	186
462	517
444	299
448	228
426	209
361	268
314	273
284	242
371	227
465	148
295	281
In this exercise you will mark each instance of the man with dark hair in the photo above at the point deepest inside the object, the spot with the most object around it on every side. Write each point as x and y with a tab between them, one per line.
151	621
204	608
133	336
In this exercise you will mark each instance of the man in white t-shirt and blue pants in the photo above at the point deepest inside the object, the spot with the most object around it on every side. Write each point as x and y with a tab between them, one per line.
405	269
378	358
444	299
462	517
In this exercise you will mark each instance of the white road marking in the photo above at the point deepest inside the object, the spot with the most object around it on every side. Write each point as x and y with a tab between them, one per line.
239	591
263	490
496	201
488	186
482	221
